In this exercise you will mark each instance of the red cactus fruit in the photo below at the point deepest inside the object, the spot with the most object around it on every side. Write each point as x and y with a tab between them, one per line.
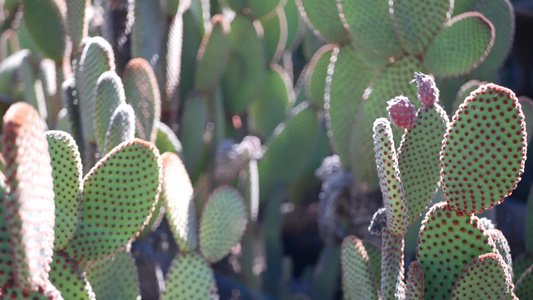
428	93
402	112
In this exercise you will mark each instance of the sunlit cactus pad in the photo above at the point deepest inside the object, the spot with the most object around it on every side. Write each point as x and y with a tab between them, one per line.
484	278
484	151
119	195
415	282
392	271
501	244
121	127
223	222
190	277
67	174
30	208
177	198
523	284
322	17
69	279
357	274
115	278
11	291
448	242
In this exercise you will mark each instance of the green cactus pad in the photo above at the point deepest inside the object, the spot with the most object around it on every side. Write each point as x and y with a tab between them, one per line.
68	278
392	279
503	248
77	25
389	178
71	105
484	151
415	282
262	8
523	285
213	55
119	194
245	72
275	35
269	109
9	43
484	278
347	79
223	222
29	206
114	278
147	31
109	95
357	274
121	127
448	242
418	158
33	89
322	17
250	188
96	58
520	265
288	148
166	140
417	23
473	37
6	260
370	26
192	129
465	91
67	174
12	291
237	5
177	196
318	67
142	92
295	25
190	277
8	70
173	59
44	20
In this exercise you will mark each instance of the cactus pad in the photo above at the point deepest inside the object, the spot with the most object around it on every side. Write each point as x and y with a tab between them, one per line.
418	158
119	195
109	95
69	279
114	278
142	92
30	204
392	279
6	261
484	151
484	278
192	129
448	242
473	36
389	178
357	274
177	196
415	282
11	291
147	31
166	140
523	285
318	66
67	174
503	248
275	35
77	25
223	223
190	277
322	17
121	127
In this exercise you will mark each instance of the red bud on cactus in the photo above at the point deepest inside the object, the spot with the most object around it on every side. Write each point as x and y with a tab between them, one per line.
428	93
402	112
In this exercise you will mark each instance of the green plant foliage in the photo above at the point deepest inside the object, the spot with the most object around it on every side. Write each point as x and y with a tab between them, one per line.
166	140
69	279
357	274
524	283
392	284
147	31
322	17
192	130
76	21
415	282
6	260
275	35
121	127
318	67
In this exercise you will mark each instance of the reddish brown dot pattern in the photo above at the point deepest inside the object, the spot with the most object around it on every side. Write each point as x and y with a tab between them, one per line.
448	242
358	278
48	292
503	248
30	205
392	279
223	223
67	174
418	158
415	282
119	194
177	198
389	178
484	278
6	261
523	288
114	278
484	151
190	277
69	279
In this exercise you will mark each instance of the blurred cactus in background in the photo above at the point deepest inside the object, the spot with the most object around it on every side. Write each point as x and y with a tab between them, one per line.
227	149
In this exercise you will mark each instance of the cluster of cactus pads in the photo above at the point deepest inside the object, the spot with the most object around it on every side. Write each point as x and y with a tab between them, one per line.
477	159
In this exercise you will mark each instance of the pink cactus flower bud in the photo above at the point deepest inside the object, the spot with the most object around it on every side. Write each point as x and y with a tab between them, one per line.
428	94
402	112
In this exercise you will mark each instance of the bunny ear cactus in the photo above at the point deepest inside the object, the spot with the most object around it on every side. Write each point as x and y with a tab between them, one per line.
66	275
77	26
119	194
322	17
29	205
357	274
415	282
121	127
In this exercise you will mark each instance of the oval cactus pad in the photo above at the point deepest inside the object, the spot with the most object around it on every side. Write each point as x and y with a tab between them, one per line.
67	173
448	242
29	207
357	275
69	279
484	151
119	195
223	222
